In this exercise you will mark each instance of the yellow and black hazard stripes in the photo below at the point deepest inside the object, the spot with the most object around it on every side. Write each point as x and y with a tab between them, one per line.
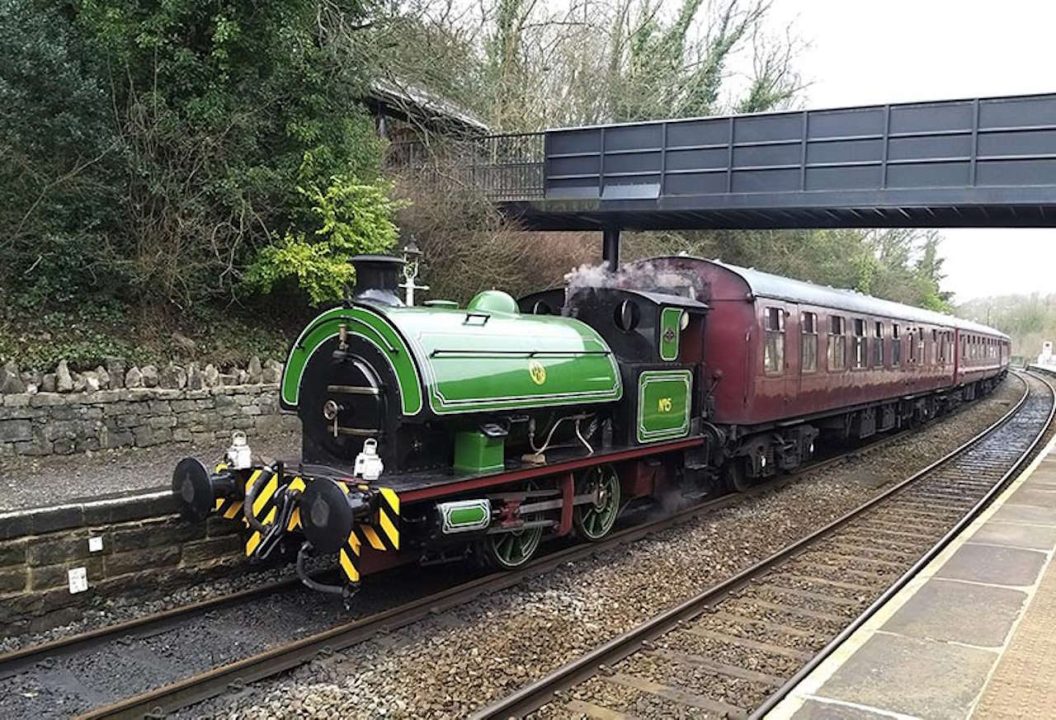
296	485
228	508
389	517
348	557
269	482
382	533
265	482
255	538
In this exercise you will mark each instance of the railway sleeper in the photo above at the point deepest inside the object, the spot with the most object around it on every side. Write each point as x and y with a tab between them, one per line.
678	695
719	668
731	616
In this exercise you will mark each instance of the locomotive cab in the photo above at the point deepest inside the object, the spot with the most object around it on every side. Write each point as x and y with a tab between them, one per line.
658	339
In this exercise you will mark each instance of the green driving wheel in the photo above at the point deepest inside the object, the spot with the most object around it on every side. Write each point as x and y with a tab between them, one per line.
509	550
594	520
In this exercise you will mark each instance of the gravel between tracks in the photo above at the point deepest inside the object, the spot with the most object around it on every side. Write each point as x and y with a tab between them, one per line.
102	674
447	666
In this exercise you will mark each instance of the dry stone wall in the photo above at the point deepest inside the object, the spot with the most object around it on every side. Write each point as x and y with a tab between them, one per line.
114	406
47	423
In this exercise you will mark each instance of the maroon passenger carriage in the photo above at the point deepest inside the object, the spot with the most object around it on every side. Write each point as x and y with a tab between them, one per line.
785	361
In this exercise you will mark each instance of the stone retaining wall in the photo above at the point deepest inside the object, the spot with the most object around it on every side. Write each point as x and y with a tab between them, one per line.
47	423
140	546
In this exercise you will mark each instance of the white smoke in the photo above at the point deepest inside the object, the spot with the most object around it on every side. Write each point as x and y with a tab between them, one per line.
639	276
643	275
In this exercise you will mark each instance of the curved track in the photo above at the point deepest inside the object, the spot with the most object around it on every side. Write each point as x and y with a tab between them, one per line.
735	649
175	692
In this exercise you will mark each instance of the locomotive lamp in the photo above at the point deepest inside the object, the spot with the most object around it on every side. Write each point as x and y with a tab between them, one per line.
411	257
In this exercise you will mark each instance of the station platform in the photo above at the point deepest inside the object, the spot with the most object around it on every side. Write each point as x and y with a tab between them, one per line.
971	636
36	482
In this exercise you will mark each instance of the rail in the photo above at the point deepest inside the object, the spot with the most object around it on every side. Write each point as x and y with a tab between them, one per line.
535	695
213	683
219	680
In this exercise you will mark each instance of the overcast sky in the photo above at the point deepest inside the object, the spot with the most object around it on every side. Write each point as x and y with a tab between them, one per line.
905	50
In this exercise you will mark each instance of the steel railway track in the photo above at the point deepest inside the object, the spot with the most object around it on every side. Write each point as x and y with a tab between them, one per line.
737	648
221	679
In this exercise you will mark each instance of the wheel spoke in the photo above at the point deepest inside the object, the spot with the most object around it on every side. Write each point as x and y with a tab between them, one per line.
594	521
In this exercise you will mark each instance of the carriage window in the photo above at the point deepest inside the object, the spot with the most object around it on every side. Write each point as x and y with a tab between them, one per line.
912	346
837	344
878	345
964	348
896	346
808	345
774	351
858	351
934	353
921	349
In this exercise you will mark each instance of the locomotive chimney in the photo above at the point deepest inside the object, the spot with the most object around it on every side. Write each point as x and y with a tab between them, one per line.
377	279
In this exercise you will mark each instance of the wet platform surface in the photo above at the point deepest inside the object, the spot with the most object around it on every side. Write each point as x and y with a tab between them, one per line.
29	482
973	635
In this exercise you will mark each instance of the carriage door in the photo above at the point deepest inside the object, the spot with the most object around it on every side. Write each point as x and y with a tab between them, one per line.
779	347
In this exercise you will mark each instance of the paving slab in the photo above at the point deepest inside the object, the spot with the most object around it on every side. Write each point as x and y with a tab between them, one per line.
1044	477
1029	514
972	636
1024	683
918	677
994	565
1047	486
954	611
1031	537
1034	497
815	710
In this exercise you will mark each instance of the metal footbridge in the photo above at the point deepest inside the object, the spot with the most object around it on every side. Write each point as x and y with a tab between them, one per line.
984	162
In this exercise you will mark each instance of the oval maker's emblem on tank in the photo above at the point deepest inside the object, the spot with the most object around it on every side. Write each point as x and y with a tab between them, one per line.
537	371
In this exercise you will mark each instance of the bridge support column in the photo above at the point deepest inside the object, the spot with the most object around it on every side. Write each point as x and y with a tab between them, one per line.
610	248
